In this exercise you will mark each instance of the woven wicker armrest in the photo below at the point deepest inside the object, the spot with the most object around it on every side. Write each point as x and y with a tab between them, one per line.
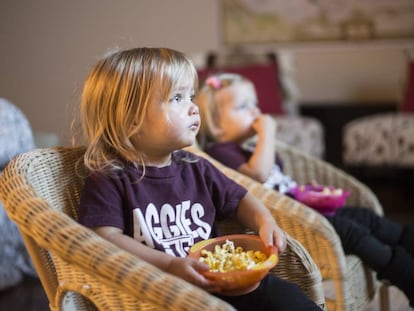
297	266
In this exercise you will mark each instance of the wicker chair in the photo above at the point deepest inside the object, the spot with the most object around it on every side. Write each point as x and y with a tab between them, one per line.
349	285
81	271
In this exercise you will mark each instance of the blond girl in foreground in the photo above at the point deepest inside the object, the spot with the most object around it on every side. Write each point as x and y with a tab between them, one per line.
145	194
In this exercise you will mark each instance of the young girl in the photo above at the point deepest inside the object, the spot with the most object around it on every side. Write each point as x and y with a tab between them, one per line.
146	195
228	106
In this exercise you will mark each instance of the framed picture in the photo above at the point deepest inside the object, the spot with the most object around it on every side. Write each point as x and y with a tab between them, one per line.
281	21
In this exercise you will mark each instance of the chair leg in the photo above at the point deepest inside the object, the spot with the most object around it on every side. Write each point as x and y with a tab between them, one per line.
384	297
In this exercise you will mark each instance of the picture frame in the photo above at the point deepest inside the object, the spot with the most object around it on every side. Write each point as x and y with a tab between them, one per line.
280	21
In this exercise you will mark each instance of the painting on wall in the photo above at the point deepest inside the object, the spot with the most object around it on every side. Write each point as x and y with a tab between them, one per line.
266	21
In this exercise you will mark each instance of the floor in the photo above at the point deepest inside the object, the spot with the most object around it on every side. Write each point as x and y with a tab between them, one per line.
28	296
395	196
398	302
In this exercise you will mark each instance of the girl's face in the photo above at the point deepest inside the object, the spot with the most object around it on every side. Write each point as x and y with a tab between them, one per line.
169	125
237	112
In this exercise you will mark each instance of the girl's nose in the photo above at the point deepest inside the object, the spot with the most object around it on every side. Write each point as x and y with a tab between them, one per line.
194	110
255	111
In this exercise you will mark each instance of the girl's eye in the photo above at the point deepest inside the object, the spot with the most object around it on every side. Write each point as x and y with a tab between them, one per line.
246	105
177	98
241	106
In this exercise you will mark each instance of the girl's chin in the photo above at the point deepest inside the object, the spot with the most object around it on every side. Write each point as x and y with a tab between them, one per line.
248	136
188	143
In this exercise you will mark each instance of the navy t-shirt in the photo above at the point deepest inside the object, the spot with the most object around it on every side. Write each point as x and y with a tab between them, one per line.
169	209
229	153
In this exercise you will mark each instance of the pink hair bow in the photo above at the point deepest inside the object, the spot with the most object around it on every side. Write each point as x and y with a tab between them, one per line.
213	82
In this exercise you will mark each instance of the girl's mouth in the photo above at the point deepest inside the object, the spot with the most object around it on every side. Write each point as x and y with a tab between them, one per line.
195	126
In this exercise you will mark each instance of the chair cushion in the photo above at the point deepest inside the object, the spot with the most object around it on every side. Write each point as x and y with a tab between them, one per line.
381	139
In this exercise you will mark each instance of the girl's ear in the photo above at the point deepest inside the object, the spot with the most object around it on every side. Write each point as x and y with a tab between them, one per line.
134	129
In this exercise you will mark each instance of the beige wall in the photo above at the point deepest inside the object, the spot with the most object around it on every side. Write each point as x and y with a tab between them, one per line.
47	47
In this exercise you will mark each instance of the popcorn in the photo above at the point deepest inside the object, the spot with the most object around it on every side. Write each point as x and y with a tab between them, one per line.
227	258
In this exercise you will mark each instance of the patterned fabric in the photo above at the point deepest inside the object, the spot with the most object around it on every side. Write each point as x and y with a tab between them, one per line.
15	137
385	139
15	133
303	133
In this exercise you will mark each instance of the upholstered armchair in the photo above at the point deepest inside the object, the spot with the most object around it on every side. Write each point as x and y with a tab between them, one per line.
380	140
383	139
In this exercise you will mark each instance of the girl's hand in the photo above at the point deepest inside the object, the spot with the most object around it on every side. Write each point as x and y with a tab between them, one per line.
189	269
253	214
264	123
271	234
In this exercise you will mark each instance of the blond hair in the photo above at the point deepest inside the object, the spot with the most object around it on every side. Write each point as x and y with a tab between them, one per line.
209	105
116	96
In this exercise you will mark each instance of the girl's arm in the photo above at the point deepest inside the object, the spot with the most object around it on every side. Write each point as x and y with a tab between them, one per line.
185	268
254	215
262	160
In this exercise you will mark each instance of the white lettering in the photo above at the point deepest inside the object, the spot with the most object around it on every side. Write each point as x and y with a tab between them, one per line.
141	232
171	227
179	217
186	222
197	211
151	218
168	218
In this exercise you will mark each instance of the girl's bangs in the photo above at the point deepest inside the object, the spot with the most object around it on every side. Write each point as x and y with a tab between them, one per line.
181	73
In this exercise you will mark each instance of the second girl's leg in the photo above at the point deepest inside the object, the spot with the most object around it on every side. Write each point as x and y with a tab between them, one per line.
356	239
392	263
382	228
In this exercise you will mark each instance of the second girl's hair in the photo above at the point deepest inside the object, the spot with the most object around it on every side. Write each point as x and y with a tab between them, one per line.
116	96
209	106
